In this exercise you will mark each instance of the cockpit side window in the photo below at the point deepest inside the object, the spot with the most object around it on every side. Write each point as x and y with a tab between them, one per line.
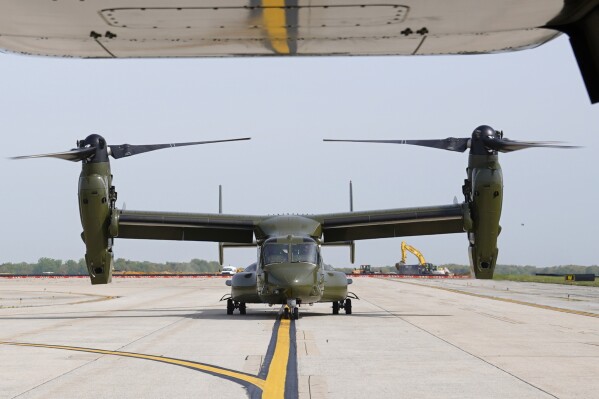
275	253
305	252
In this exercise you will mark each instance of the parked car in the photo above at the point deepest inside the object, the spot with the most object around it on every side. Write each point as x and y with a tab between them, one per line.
228	271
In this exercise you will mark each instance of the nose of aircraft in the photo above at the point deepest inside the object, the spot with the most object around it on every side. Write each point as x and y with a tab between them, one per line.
291	274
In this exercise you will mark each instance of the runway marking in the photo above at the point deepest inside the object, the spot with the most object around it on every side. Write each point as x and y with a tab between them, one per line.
219	371
95	298
508	300
276	380
277	383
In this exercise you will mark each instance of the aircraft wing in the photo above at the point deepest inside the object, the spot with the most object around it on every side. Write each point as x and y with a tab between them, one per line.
349	226
224	28
238	229
335	227
208	28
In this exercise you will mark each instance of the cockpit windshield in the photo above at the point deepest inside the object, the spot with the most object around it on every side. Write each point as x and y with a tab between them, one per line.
276	253
304	252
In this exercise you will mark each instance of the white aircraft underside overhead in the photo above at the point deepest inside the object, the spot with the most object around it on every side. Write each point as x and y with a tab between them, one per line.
215	28
188	28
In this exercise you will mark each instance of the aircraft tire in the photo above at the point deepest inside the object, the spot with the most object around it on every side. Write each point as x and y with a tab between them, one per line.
295	313
347	306
242	308
335	307
230	306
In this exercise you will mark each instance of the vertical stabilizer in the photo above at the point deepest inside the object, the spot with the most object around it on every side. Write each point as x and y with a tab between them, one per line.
220	198
352	245
351	197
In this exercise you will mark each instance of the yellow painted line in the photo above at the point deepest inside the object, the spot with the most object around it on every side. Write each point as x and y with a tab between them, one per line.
274	387
258	382
517	302
273	16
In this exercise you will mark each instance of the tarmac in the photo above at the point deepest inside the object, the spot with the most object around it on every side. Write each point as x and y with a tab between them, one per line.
406	338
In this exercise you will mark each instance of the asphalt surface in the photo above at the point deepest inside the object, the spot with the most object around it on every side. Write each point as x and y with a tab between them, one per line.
156	338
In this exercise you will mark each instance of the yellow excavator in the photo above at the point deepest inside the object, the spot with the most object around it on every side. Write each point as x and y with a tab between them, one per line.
423	268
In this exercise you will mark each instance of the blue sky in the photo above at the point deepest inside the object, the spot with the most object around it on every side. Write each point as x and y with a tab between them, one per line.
287	105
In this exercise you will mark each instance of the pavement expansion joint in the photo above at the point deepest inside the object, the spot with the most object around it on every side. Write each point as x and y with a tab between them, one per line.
482	359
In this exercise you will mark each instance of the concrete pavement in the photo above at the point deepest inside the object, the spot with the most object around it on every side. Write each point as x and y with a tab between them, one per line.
405	338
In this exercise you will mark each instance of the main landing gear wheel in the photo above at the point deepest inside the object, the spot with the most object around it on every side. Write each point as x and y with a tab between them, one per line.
295	313
335	307
347	306
232	305
286	313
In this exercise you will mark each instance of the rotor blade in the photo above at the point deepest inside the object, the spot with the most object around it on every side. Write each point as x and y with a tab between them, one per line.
507	145
126	150
450	143
75	155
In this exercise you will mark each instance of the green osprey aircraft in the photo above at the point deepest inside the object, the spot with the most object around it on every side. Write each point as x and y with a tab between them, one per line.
289	268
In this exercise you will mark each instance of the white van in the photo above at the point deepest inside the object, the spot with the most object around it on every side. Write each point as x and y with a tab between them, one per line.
228	271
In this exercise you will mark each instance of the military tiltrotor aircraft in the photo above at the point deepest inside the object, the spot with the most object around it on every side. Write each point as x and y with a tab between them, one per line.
289	268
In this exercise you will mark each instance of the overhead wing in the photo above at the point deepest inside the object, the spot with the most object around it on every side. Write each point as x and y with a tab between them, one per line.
349	226
234	229
192	28
219	28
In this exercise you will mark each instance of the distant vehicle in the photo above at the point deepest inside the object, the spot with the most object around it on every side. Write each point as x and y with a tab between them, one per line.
364	269
423	268
229	271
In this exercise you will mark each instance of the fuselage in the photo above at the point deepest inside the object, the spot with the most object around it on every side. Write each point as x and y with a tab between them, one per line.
289	268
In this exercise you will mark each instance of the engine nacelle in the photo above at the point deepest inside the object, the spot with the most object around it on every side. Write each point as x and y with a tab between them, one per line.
95	200
485	199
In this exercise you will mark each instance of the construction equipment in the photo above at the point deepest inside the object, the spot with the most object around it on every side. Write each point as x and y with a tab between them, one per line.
364	269
423	268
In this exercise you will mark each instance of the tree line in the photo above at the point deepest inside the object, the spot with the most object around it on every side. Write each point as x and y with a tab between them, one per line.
73	267
78	268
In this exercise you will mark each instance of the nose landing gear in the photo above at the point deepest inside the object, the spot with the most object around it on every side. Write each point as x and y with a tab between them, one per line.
291	310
